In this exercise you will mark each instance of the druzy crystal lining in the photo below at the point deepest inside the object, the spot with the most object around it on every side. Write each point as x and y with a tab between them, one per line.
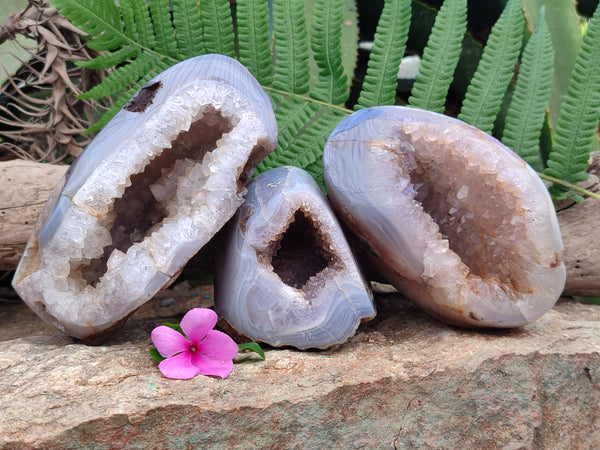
455	220
147	194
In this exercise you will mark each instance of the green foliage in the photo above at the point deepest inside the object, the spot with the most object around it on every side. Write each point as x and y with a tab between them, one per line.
379	86
579	112
254	41
527	108
484	94
140	39
440	57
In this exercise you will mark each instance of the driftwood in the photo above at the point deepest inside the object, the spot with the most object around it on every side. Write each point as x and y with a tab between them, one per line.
25	186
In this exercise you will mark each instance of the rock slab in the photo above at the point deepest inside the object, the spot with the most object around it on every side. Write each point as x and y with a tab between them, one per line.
403	381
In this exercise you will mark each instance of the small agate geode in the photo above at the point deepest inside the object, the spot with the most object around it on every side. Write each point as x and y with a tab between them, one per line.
162	177
286	275
451	217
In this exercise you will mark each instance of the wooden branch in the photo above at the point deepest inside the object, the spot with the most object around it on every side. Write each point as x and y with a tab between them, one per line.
25	186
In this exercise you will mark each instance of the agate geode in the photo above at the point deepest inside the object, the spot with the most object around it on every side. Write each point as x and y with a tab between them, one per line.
285	273
163	176
451	217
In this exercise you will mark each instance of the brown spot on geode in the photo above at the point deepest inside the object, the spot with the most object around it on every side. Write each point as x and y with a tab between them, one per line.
140	101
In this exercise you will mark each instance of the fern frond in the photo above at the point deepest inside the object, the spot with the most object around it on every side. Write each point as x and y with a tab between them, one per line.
495	70
123	76
379	86
440	57
292	72
326	40
304	127
530	99
101	19
188	29
217	27
120	102
111	59
579	113
166	43
254	41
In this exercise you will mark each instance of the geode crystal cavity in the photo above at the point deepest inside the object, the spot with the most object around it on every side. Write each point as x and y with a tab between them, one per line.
287	275
162	177
450	216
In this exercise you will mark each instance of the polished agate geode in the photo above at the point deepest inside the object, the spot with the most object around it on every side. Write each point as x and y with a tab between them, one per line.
162	177
451	217
285	273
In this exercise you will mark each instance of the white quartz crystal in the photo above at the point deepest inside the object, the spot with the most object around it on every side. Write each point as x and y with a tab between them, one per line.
162	177
453	218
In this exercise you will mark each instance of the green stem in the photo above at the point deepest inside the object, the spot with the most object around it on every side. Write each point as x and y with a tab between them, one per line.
348	111
569	185
307	99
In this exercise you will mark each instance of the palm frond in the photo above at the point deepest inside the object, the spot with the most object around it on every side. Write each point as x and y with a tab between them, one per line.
379	86
440	57
529	102
486	90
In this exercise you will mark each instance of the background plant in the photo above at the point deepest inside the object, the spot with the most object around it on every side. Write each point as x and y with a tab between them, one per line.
303	65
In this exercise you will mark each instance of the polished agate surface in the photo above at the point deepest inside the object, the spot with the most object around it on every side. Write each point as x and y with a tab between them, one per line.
162	177
285	273
449	215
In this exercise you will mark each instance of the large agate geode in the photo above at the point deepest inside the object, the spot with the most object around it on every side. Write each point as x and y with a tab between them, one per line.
450	216
163	176
285	274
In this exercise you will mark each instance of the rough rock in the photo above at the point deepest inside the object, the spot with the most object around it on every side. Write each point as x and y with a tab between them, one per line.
404	380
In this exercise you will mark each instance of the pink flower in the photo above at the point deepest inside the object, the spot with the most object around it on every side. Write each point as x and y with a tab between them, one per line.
207	352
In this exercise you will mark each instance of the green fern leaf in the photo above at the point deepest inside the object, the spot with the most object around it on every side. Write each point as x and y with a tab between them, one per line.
111	59
529	102
123	76
379	86
304	127
101	19
188	29
579	112
254	41
217	27
495	70
440	57
326	39
166	43
120	102
292	72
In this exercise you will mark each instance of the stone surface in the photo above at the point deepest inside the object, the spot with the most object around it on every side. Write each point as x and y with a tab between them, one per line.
404	380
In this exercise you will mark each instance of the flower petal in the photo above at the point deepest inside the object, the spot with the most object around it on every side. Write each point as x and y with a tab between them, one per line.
218	345
169	342
179	367
197	323
208	365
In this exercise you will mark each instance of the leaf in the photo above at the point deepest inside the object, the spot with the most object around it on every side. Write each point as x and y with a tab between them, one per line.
292	72
379	86
579	112
527	109
157	356
188	29
440	57
495	70
217	26
326	37
563	23
175	326
254	40
252	347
